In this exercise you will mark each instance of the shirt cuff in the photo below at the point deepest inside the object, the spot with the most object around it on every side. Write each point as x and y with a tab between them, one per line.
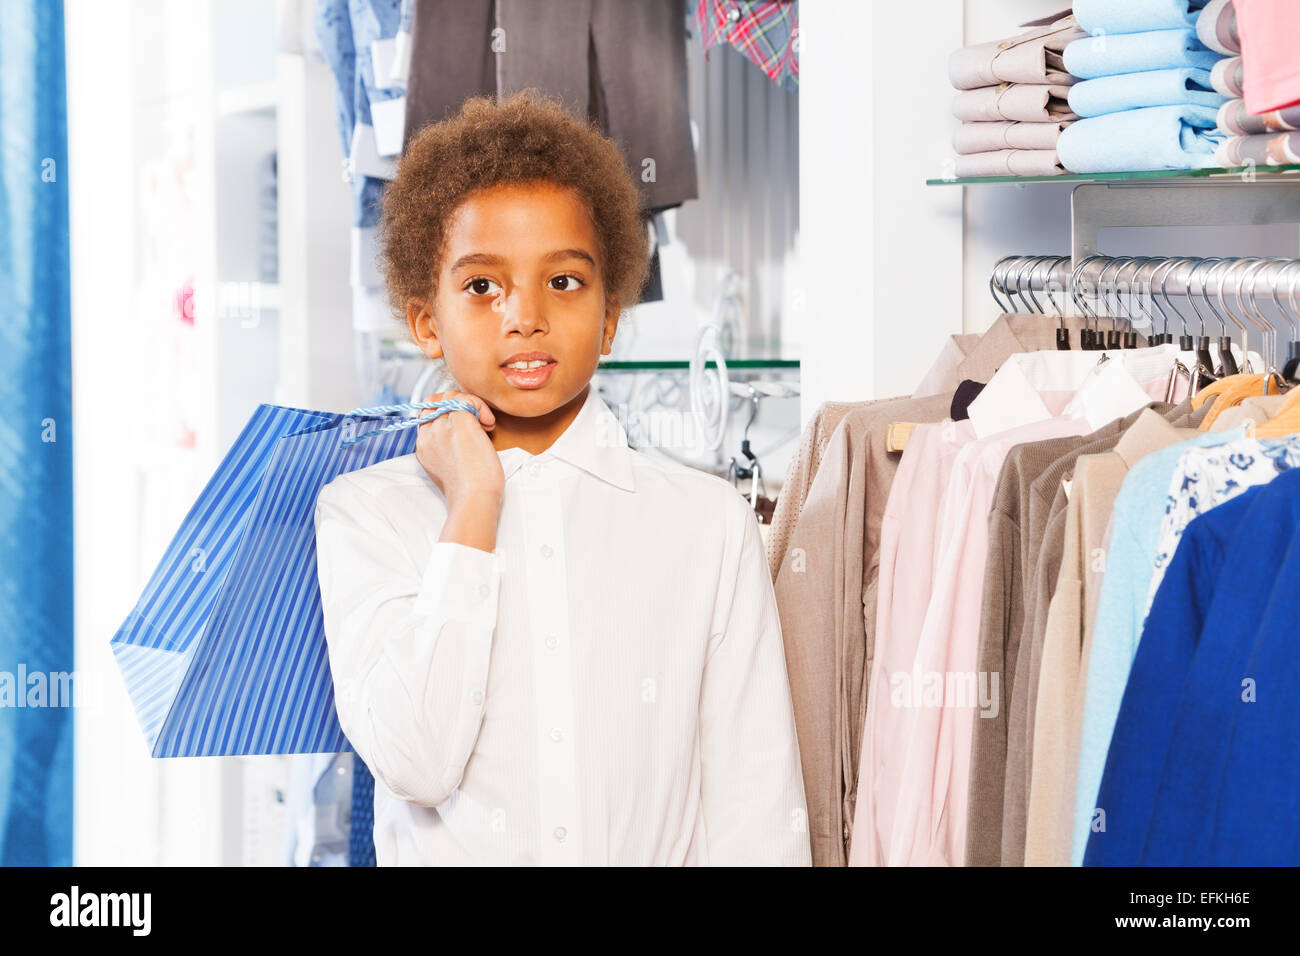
461	583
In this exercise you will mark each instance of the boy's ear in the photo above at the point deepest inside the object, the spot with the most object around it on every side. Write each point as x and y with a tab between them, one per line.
420	319
612	312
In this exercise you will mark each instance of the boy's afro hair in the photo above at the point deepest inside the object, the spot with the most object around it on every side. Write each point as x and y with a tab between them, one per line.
523	139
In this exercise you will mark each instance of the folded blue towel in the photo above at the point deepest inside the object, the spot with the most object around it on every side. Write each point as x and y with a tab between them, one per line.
1158	137
1136	16
1132	91
1090	57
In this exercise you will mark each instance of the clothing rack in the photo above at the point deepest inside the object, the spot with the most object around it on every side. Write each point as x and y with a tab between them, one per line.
1139	289
1185	276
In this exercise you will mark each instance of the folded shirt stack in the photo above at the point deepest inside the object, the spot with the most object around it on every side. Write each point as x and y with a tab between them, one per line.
1012	101
1269	139
1268	31
1145	93
1258	131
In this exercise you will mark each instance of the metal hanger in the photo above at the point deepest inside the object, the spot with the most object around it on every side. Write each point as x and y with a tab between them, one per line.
1245	271
751	469
1129	338
1198	372
1227	360
1026	264
1149	306
1249	305
1179	369
996	277
1284	377
1185	341
1062	333
1113	340
1291	370
1033	305
1163	337
1203	355
1088	337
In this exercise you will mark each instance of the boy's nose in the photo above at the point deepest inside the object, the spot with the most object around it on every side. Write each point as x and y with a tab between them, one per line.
522	310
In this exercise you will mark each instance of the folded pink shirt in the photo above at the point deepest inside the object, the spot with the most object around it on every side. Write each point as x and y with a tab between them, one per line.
1271	69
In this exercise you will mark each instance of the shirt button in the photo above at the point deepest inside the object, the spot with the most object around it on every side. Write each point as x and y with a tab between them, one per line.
477	697
546	551
534	469
560	833
557	735
551	642
733	14
484	590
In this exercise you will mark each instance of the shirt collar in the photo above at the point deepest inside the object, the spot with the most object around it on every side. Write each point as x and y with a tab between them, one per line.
1110	391
1101	391
1149	433
594	441
1011	397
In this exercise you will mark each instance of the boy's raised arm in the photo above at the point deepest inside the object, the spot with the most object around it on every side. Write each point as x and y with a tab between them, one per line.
408	646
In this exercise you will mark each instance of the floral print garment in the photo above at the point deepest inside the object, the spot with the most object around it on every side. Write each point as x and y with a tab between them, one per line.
1206	477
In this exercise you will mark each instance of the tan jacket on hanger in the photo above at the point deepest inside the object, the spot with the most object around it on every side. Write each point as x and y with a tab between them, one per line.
825	591
1090	497
942	376
807	459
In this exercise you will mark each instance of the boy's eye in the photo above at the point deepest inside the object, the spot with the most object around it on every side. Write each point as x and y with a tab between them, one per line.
572	282
479	286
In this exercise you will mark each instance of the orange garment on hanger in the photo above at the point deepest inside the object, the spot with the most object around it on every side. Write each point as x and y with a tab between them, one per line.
1230	391
1213	390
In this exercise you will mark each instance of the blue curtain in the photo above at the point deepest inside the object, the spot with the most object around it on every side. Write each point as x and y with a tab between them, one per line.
35	441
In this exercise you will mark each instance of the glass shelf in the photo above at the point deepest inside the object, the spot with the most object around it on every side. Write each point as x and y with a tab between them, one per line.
656	366
399	349
1272	173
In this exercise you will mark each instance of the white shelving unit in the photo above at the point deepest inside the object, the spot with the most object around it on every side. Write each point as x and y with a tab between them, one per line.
317	360
174	110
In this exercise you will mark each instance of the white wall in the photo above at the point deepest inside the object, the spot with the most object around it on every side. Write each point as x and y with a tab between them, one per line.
881	251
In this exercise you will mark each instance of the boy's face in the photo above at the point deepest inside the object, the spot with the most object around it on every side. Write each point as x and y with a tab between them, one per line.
519	274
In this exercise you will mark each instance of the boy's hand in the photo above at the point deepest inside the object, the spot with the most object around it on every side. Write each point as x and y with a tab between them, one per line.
458	456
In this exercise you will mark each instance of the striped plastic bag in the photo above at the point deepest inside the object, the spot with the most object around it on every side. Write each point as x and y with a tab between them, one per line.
225	651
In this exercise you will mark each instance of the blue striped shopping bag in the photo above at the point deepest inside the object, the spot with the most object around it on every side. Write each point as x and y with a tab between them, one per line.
225	651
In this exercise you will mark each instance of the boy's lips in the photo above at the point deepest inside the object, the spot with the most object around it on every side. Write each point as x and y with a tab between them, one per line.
528	377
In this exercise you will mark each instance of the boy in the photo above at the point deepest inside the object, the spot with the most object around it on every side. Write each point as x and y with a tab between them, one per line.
548	648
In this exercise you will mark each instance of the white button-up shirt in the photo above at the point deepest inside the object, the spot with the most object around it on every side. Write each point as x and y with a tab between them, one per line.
607	687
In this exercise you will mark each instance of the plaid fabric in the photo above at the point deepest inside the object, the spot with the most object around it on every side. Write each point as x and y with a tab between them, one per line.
765	31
